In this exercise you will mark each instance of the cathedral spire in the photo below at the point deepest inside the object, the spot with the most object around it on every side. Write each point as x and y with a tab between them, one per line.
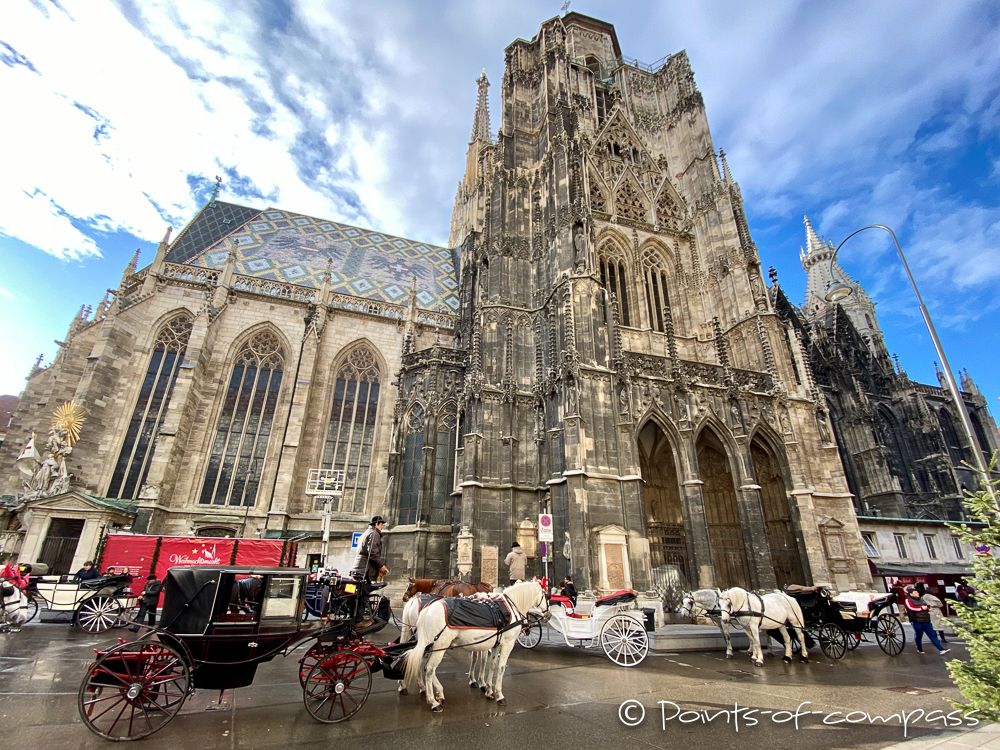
727	176
481	121
813	242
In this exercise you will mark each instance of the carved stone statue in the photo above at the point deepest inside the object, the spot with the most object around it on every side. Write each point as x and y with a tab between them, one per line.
623	402
571	399
579	245
567	550
50	476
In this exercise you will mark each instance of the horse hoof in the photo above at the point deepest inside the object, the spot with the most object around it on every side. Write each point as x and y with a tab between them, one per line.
489	697
473	684
729	656
786	660
437	709
759	663
502	702
483	688
423	692
404	691
803	659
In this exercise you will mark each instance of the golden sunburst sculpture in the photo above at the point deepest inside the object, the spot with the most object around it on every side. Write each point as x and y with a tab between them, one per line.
70	417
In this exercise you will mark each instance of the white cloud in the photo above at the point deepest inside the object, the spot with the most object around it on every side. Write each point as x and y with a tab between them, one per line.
7	293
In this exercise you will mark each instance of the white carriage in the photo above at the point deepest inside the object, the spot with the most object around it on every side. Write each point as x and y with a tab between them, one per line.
99	604
616	625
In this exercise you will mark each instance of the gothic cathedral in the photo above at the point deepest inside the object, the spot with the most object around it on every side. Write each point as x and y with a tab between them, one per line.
596	342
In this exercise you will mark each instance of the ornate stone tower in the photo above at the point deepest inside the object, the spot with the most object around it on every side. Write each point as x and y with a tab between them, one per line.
622	364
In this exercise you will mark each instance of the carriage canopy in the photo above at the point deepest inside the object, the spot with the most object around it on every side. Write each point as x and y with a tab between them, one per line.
193	597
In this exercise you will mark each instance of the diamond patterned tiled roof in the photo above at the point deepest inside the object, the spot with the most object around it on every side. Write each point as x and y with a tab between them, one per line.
284	246
215	221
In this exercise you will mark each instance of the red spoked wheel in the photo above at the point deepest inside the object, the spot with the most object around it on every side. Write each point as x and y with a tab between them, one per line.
133	690
337	687
316	653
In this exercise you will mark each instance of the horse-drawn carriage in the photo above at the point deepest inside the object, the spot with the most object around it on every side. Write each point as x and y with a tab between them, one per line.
212	639
839	627
98	604
616	625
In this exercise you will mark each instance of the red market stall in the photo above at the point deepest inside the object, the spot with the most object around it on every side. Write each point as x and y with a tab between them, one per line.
141	553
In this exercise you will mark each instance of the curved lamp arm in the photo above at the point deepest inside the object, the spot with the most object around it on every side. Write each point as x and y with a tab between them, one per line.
837	291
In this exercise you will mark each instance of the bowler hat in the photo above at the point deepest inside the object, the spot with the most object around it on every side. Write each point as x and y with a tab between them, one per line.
377	520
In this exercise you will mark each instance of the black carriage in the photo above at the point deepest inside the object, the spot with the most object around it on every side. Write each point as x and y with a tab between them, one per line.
839	627
214	633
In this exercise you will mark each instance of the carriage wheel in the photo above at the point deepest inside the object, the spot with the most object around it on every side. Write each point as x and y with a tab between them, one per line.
624	641
530	636
337	687
98	614
316	653
889	635
833	641
31	607
133	690
853	641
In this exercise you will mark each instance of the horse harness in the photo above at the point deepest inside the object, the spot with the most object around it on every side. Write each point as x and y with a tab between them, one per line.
758	615
518	620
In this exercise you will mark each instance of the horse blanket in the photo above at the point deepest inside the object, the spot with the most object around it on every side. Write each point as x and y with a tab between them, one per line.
481	614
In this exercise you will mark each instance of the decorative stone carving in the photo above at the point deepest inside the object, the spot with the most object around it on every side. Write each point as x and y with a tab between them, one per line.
465	540
527	537
488	559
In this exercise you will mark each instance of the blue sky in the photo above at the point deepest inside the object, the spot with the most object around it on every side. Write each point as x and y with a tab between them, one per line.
118	116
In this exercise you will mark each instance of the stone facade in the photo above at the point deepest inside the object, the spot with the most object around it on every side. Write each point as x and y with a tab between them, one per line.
623	365
598	343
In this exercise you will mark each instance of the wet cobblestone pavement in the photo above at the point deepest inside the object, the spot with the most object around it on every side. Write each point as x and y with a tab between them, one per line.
557	698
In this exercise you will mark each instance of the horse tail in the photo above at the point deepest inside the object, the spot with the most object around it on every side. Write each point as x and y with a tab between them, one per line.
415	663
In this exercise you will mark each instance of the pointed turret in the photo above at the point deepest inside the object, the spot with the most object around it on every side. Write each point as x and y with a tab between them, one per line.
813	242
727	176
481	120
130	268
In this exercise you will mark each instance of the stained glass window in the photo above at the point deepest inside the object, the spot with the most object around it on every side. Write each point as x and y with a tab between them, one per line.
444	470
150	408
351	432
413	455
241	438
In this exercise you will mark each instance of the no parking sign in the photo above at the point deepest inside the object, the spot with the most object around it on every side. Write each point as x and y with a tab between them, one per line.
545	532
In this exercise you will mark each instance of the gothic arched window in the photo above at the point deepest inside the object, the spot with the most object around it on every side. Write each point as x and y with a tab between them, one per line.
668	213
615	279
413	455
657	298
150	408
444	468
351	432
237	458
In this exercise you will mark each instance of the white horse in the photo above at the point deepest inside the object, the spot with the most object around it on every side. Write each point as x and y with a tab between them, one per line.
407	630
769	612
435	637
706	603
13	608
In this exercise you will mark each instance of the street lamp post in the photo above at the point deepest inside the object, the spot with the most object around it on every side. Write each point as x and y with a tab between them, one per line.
838	290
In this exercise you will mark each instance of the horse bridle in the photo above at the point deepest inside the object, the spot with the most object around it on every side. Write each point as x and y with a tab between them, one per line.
716	612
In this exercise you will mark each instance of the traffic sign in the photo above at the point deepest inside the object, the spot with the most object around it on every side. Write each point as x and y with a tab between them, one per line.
545	530
356	539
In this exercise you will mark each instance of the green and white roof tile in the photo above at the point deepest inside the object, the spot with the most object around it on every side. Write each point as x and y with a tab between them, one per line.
285	246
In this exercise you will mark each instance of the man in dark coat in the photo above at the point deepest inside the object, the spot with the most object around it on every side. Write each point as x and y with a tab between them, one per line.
369	561
369	565
150	601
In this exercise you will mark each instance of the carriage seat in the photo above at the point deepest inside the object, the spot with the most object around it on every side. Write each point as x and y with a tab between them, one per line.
567	605
619	597
793	588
